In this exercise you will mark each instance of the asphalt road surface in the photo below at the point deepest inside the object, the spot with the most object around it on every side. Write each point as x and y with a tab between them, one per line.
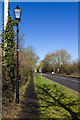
73	83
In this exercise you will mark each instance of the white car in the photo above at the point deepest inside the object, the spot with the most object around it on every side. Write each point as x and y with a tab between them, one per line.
52	72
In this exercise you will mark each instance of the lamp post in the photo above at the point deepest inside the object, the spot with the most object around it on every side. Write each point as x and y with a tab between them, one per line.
17	12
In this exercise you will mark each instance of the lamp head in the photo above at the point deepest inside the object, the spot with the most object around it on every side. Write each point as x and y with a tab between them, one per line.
17	13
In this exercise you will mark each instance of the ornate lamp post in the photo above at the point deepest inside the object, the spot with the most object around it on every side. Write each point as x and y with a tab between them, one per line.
17	12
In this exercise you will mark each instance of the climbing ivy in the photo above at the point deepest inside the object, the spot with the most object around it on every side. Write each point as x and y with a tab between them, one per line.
8	46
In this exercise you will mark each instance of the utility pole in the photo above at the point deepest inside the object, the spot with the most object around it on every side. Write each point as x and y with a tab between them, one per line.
6	2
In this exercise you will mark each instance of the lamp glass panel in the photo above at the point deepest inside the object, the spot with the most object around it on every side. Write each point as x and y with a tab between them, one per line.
17	13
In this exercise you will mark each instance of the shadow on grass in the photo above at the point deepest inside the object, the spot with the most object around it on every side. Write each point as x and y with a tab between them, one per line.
29	104
54	102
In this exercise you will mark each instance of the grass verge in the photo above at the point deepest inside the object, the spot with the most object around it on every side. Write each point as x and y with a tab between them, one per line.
55	100
11	110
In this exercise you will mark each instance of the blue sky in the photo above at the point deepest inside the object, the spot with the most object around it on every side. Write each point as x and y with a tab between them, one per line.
49	26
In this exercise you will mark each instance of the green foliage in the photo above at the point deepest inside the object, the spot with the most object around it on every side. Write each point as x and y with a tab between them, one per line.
45	67
59	59
62	69
8	45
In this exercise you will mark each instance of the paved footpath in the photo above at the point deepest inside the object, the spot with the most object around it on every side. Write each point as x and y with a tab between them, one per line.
30	107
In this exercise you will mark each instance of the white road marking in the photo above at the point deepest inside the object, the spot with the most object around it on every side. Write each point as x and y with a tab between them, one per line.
74	80
67	78
62	78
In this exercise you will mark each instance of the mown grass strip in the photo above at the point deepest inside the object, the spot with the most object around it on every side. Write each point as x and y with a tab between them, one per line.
55	100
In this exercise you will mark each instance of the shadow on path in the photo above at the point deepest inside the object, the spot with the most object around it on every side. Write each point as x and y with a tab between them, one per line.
30	107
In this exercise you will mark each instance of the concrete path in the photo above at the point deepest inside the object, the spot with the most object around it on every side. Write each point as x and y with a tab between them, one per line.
30	107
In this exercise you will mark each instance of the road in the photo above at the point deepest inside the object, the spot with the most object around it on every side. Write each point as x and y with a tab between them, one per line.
73	83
